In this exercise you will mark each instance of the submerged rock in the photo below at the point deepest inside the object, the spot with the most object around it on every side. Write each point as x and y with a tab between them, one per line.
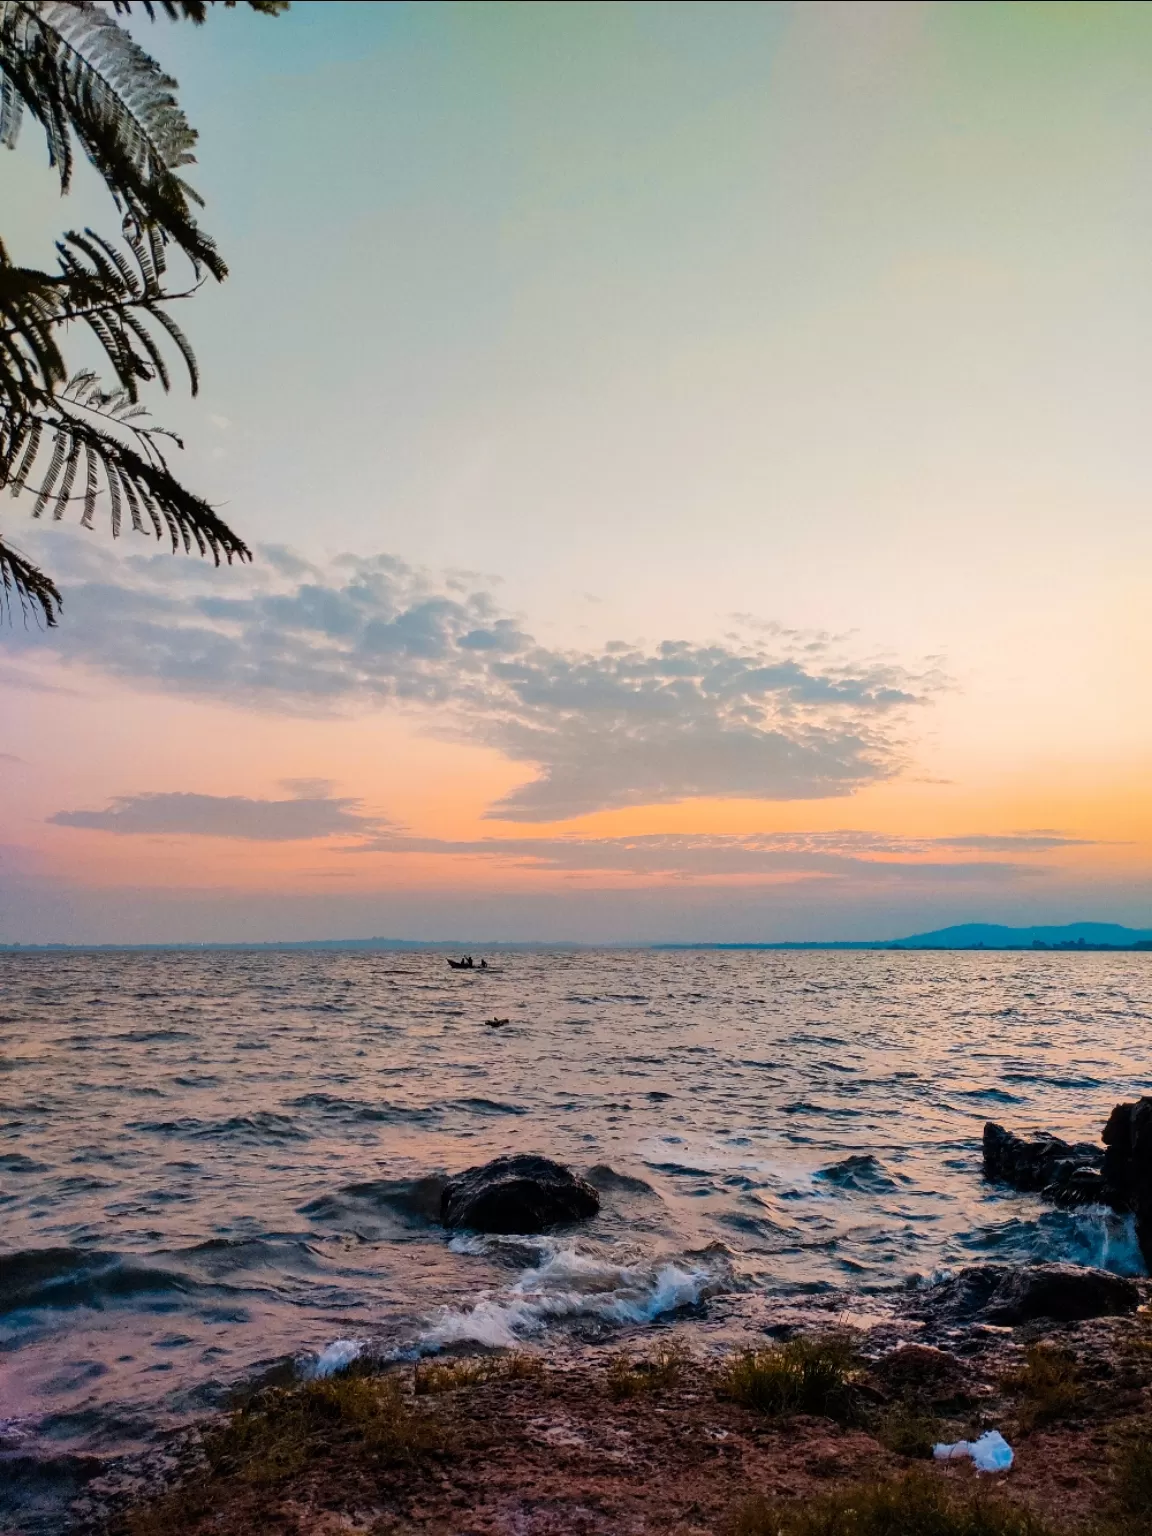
517	1194
1008	1295
1069	1173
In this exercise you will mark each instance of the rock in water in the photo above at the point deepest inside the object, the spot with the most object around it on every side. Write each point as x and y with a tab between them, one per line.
1128	1166
1004	1294
1064	1171
517	1194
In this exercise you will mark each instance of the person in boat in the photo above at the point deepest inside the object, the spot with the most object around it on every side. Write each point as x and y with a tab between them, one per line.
483	963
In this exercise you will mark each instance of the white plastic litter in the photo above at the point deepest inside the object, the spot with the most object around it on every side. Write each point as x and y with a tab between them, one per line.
991	1453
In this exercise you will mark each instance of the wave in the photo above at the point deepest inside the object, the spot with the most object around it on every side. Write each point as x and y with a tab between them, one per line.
682	1170
16	1162
807	1107
412	1202
225	1255
149	1036
263	1125
569	1286
989	1095
355	1110
77	1277
606	1179
861	1172
1041	1079
488	1107
337	1356
1088	1234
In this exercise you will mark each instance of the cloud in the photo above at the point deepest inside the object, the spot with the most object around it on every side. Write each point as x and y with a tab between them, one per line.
778	716
315	812
689	856
1007	842
303	817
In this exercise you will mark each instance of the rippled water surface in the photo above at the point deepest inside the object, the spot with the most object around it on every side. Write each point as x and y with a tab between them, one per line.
212	1161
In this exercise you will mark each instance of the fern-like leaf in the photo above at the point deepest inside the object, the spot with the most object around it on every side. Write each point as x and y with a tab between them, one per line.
120	456
35	592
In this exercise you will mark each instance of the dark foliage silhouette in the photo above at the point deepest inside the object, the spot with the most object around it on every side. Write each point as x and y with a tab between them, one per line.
66	436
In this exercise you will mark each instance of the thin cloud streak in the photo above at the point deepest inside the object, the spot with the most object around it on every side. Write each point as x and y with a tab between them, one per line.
315	813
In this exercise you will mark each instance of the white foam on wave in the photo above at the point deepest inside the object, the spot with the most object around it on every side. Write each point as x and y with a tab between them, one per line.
565	1285
1092	1235
1106	1239
334	1357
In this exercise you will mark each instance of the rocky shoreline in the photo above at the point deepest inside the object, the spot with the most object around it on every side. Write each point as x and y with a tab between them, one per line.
816	1431
657	1438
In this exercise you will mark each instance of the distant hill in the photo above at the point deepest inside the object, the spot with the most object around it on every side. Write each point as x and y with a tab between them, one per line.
996	936
974	936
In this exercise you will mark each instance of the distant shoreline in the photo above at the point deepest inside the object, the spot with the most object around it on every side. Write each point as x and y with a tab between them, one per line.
980	938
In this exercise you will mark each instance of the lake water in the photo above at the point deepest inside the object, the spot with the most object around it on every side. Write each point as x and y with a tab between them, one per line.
213	1162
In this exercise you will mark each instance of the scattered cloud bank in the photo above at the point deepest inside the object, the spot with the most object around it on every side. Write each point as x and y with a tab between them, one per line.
778	716
314	812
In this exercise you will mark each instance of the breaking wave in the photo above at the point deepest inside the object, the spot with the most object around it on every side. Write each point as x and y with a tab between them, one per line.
569	1286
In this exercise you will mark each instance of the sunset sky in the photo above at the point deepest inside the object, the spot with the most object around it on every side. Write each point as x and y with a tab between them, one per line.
699	462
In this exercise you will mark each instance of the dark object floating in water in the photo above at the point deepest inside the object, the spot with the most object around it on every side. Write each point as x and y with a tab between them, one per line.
1120	1175
1008	1294
517	1194
496	1023
468	964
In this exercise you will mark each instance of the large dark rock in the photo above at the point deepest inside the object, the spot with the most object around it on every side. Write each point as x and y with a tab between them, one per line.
1008	1295
1128	1166
1066	1172
517	1194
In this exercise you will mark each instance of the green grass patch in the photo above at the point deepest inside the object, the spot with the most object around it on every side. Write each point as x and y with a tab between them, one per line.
916	1505
665	1367
806	1375
1048	1386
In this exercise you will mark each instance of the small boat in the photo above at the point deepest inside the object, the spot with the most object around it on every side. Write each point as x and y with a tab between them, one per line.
496	1023
461	965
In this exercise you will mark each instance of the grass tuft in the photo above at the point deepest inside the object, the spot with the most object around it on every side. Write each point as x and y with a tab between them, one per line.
279	1430
663	1369
806	1375
433	1377
1048	1385
906	1431
916	1505
1132	1487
